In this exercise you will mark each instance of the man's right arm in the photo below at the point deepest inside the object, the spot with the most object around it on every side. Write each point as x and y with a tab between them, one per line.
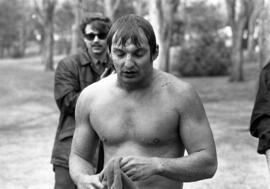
260	118
66	86
83	147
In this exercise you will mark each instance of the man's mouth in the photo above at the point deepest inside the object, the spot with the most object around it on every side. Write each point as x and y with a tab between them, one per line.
96	46
129	73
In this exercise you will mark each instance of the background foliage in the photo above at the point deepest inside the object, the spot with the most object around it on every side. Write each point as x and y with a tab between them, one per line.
197	31
203	51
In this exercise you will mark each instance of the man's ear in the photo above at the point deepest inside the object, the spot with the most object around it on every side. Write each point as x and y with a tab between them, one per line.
155	55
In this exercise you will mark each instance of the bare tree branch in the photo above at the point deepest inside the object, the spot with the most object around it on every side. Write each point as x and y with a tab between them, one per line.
116	4
40	15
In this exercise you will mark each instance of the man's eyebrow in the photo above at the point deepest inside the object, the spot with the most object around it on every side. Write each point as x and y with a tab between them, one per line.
141	49
118	49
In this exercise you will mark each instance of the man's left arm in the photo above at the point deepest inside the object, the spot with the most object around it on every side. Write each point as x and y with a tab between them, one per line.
197	137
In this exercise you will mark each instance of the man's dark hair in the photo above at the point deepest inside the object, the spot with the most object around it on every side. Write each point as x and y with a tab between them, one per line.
100	23
130	27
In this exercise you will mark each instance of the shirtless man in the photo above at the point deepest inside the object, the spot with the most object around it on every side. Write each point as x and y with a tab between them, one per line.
146	116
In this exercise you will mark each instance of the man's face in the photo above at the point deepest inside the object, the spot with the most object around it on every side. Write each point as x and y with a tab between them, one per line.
95	41
132	63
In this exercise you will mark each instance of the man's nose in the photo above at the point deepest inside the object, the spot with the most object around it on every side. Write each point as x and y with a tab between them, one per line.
95	38
129	61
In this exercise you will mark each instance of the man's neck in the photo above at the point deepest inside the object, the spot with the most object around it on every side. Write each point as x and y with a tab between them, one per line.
98	61
98	57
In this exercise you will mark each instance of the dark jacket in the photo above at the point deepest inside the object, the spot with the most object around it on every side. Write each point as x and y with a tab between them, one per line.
260	118
72	75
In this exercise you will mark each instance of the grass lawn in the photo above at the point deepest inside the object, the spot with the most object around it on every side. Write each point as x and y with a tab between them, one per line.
29	117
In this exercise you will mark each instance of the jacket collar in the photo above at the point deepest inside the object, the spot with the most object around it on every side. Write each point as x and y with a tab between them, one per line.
87	59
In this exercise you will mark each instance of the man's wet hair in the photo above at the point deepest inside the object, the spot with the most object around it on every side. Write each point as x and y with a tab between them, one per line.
130	27
98	22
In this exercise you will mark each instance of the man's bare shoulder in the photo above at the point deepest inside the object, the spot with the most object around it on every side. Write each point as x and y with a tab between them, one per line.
96	89
182	94
103	84
175	85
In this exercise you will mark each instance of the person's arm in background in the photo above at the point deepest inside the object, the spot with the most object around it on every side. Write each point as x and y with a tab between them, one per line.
263	130
260	118
264	141
66	88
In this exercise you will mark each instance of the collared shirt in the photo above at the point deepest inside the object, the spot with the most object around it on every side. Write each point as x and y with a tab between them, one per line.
260	118
100	63
72	75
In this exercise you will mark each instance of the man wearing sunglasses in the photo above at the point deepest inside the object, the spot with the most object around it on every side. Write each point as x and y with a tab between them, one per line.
72	75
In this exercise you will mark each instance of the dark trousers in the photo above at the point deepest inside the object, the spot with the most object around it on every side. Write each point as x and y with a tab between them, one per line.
62	178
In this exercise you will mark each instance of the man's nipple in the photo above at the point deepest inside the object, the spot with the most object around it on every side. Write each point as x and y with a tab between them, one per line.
156	141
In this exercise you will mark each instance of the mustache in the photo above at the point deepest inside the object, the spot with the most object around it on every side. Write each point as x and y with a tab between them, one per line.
96	44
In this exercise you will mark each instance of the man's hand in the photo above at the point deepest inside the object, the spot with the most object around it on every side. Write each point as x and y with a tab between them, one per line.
90	182
139	168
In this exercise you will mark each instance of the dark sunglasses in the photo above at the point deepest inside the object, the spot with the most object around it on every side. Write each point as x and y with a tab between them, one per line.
91	36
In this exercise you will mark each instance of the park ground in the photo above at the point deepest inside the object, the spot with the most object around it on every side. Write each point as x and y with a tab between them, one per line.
28	121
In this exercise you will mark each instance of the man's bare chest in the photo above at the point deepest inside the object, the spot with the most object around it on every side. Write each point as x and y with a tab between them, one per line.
146	122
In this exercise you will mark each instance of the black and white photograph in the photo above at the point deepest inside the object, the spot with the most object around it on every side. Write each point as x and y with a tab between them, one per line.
135	94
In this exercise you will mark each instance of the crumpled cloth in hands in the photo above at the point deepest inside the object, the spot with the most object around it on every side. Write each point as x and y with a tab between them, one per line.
115	178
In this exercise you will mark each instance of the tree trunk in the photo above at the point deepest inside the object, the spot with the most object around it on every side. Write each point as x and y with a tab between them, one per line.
138	6
110	8
75	27
1	52
162	16
49	30
251	28
264	40
254	14
238	16
237	52
22	41
154	15
48	48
